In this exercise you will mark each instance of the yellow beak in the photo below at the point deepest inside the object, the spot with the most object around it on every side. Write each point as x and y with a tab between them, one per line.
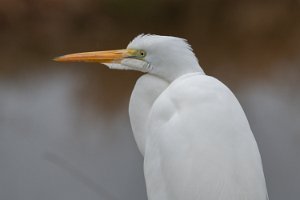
112	56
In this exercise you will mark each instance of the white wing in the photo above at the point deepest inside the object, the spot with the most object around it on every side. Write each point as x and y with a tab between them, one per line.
199	145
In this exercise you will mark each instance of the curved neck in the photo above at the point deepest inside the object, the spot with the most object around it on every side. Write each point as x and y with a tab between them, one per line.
170	69
144	94
146	90
177	71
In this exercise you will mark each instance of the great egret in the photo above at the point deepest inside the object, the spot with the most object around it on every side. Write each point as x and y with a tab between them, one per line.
195	138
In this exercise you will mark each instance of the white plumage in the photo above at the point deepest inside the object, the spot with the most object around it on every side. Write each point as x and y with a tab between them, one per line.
191	129
194	136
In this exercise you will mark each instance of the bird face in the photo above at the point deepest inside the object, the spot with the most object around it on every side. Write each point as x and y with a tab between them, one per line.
165	56
127	59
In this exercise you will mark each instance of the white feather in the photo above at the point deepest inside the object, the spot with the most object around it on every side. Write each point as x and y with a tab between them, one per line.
193	133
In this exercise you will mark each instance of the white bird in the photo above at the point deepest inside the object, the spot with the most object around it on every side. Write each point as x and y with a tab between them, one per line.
193	133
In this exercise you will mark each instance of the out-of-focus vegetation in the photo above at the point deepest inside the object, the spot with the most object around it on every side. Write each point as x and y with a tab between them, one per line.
249	33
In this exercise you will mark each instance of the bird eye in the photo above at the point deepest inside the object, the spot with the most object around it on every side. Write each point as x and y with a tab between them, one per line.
142	53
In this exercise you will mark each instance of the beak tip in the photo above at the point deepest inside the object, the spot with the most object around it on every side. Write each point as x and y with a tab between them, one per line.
57	59
94	56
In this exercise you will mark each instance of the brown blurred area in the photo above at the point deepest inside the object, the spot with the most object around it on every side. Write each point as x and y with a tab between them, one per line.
231	31
243	38
252	46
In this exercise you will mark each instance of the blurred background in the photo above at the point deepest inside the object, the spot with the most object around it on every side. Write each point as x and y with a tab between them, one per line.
64	128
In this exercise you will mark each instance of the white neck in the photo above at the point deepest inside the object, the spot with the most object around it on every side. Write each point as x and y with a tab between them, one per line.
144	94
147	89
177	70
169	66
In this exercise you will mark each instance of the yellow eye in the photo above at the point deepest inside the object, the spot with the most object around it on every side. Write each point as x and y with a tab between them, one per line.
142	53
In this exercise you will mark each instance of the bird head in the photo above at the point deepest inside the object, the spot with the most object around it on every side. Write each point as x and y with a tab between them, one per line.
164	56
